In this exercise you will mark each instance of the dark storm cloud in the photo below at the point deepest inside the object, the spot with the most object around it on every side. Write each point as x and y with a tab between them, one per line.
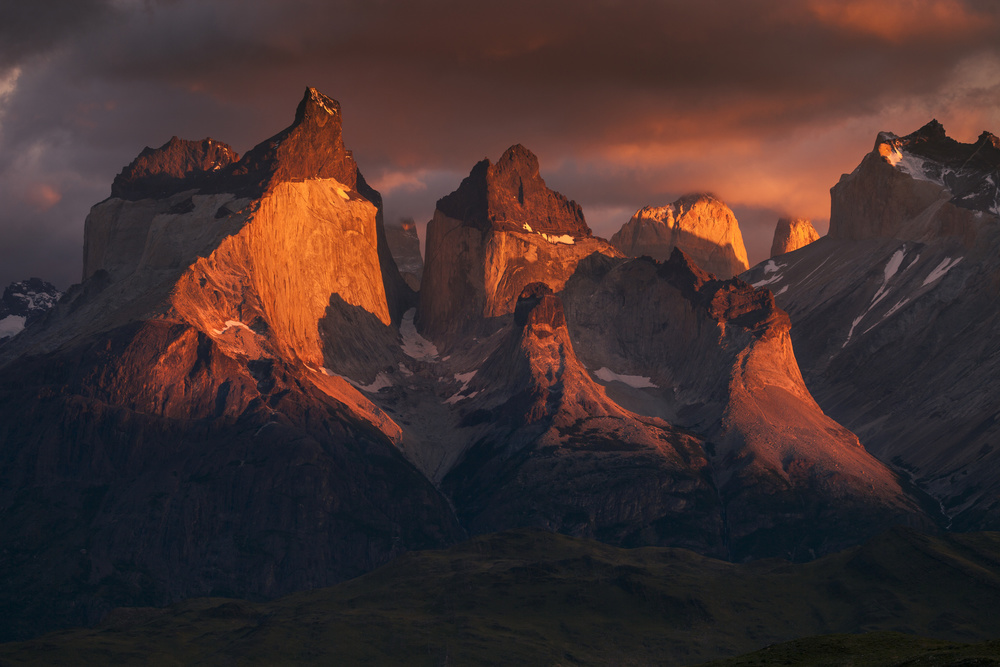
32	28
627	103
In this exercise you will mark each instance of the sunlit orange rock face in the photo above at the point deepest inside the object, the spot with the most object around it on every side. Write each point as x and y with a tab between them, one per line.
699	224
500	231
184	380
238	400
712	356
270	237
791	234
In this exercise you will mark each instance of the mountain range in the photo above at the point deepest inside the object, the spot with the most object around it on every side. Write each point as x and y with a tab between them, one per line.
246	397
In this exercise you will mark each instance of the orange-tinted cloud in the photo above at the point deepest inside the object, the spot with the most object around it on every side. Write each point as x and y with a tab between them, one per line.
626	102
42	196
898	20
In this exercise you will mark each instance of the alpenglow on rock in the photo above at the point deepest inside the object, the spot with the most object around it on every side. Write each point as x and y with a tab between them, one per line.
501	230
188	399
699	224
791	234
919	187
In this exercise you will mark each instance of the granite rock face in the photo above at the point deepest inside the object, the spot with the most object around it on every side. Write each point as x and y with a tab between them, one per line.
243	397
894	315
791	234
699	224
500	231
919	187
404	243
717	360
553	451
176	425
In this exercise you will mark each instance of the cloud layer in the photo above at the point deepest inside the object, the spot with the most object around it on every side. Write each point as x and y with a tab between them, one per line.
627	103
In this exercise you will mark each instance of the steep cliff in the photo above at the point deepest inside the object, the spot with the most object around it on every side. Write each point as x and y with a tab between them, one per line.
919	187
176	425
791	234
404	243
894	315
553	451
699	224
715	358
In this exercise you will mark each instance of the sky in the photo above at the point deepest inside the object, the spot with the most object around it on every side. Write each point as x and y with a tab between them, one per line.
764	103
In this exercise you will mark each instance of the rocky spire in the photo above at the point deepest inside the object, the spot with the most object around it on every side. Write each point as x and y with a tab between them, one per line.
791	234
699	224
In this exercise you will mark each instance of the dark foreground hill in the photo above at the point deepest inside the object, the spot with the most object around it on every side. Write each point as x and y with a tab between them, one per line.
529	597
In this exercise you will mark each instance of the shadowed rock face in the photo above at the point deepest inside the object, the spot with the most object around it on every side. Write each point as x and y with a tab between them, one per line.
501	230
791	234
699	224
175	166
895	319
553	451
720	357
233	402
183	435
405	247
919	187
510	194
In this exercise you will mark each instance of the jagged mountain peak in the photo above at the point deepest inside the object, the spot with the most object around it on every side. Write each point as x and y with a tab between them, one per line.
500	230
699	223
311	147
511	195
315	105
933	130
23	302
790	234
897	189
177	165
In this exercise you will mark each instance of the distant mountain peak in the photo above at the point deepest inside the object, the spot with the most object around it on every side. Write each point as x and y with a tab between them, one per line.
902	177
511	194
315	102
699	223
177	165
791	234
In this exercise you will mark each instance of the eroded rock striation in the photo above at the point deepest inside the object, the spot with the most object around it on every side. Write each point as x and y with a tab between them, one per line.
699	224
791	234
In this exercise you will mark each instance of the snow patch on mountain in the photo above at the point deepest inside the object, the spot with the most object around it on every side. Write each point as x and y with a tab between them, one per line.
414	345
229	325
890	270
941	269
770	267
635	381
11	325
